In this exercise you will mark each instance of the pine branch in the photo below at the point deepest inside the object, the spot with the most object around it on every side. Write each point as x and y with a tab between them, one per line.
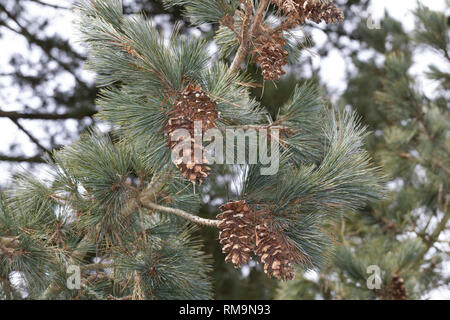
96	266
440	227
154	187
29	135
54	6
79	253
35	159
32	38
247	36
79	114
134	203
182	214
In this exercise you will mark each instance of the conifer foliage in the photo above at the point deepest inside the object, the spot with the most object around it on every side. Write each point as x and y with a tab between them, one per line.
117	207
402	241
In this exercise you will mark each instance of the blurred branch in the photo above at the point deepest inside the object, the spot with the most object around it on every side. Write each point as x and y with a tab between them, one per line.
29	135
55	6
79	114
35	159
247	33
41	43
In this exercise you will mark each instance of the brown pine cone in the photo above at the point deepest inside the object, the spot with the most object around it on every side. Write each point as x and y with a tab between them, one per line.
314	10
192	105
245	230
271	56
397	290
318	11
9	246
274	252
286	5
236	236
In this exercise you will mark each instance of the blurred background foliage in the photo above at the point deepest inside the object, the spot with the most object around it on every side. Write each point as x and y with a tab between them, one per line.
50	75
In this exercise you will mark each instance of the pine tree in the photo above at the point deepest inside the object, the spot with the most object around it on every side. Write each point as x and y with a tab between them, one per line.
119	209
406	235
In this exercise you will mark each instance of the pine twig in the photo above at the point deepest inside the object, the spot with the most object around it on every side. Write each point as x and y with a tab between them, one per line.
29	135
54	6
78	253
247	33
78	114
183	214
145	200
96	266
35	159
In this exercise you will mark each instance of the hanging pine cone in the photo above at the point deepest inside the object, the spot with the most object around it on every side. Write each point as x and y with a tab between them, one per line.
314	10
192	105
317	11
236	235
397	290
271	56
273	251
245	230
286	5
9	246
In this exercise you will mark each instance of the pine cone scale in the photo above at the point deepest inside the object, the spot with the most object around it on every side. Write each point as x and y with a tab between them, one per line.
192	105
235	235
244	230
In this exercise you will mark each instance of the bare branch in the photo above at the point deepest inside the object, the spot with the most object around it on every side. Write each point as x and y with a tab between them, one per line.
182	214
54	6
35	159
30	136
79	114
247	36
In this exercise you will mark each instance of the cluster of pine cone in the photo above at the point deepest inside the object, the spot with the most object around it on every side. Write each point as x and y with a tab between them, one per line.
271	56
245	230
192	105
269	44
314	10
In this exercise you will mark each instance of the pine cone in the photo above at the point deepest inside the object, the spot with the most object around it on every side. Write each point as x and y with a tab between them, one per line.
317	12
192	105
314	10
286	5
236	235
271	56
274	252
9	246
397	290
245	230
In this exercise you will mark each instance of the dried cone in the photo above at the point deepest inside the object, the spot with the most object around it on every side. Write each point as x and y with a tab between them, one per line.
274	252
236	235
286	5
397	290
192	105
271	56
314	10
317	11
244	230
9	246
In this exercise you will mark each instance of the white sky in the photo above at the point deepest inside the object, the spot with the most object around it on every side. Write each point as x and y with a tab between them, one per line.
333	70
